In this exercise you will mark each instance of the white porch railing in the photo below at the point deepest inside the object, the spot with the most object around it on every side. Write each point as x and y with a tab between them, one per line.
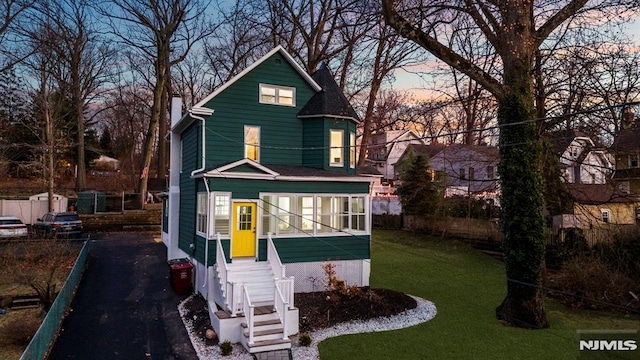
248	309
274	259
233	294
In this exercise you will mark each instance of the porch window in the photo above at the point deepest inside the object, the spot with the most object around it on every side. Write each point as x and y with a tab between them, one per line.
305	204
336	148
221	212
606	215
286	215
252	142
313	214
201	214
358	213
352	150
278	95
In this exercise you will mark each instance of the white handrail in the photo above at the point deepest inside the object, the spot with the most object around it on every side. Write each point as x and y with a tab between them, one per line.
248	309
274	259
223	270
281	309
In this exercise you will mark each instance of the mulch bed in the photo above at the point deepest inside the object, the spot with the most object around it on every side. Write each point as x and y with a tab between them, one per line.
319	309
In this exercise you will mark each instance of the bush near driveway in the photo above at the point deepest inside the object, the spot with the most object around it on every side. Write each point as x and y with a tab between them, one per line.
466	287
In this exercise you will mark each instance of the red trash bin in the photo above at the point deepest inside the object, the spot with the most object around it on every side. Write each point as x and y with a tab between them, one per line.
180	275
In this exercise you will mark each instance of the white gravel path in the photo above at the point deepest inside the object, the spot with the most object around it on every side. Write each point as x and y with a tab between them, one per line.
424	312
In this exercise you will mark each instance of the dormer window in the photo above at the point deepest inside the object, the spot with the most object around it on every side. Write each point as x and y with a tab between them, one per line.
277	95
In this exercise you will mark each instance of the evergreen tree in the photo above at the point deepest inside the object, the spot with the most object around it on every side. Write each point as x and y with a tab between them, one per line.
419	192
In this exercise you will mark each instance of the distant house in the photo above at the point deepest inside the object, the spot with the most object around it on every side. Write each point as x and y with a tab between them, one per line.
581	161
601	205
470	170
263	191
626	149
385	149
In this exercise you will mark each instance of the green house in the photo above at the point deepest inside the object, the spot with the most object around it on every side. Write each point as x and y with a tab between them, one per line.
263	192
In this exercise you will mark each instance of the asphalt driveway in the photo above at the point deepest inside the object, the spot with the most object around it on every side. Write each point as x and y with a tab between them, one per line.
125	307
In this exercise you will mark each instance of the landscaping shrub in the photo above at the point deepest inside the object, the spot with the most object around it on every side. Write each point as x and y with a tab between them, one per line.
226	348
574	244
304	340
587	282
621	255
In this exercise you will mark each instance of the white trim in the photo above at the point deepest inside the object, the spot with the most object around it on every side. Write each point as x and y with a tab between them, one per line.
246	144
285	54
245	161
232	215
332	148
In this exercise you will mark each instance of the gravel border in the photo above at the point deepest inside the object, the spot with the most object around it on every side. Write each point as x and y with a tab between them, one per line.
423	312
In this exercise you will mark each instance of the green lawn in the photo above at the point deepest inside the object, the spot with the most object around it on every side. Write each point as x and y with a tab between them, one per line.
466	287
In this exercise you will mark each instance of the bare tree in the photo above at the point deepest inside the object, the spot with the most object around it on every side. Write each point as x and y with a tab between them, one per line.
163	32
516	30
12	43
85	60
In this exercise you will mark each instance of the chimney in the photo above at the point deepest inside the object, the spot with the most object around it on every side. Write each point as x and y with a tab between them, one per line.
627	118
176	109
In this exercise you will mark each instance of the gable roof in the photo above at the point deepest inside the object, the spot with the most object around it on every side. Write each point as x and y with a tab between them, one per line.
277	49
330	101
462	152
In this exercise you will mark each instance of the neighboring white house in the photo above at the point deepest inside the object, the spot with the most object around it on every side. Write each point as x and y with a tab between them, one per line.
385	149
470	170
580	160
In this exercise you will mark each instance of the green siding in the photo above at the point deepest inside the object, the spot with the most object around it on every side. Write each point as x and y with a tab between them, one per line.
251	189
238	105
190	155
309	249
317	139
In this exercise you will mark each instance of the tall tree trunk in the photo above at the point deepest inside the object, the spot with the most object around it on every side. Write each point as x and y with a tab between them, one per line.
521	182
162	128
78	107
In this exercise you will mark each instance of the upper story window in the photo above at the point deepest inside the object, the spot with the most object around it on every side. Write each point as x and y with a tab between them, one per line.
606	216
462	174
352	150
252	142
633	160
490	173
336	148
472	173
278	95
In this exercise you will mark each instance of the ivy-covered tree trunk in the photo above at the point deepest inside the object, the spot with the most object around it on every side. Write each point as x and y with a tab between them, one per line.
521	217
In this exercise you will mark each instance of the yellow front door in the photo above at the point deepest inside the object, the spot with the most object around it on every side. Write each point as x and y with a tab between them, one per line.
243	237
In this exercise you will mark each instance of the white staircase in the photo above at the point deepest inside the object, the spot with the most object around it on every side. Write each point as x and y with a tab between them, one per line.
257	278
268	332
256	300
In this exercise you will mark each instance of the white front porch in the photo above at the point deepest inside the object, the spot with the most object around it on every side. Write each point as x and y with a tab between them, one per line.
251	302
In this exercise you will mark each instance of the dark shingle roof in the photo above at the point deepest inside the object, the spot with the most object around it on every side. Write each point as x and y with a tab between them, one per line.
561	139
596	194
330	100
626	140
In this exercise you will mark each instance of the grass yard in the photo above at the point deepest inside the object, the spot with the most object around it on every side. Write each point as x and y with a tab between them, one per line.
466	287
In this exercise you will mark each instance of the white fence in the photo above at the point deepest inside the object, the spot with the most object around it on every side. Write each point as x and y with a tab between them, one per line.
381	205
29	210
